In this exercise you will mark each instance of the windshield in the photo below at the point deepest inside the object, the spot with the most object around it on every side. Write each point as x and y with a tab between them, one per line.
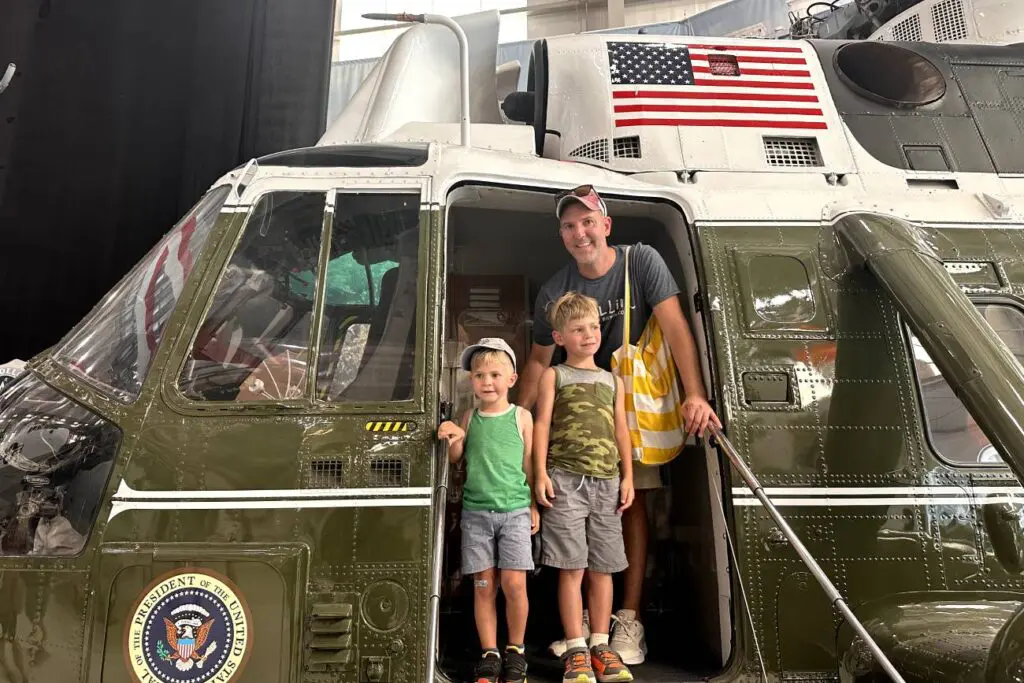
115	344
255	342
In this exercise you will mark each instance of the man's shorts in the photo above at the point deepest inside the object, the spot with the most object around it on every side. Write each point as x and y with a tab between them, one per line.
496	539
582	530
646	477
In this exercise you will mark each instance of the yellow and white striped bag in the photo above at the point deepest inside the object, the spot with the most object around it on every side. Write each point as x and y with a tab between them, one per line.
653	398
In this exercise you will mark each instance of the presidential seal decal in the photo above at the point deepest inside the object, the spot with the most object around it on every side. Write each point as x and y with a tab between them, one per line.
190	626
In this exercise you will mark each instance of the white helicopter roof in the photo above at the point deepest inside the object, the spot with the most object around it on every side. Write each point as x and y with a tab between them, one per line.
803	128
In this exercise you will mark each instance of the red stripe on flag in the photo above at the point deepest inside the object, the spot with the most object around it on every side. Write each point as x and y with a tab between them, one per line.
721	123
745	48
756	72
716	109
702	95
740	83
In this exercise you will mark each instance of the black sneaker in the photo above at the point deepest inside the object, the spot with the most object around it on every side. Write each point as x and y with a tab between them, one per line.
488	669
514	670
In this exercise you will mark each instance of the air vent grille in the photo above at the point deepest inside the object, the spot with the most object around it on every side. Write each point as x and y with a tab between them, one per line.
327	474
387	472
595	149
949	21
330	642
908	30
627	147
792	152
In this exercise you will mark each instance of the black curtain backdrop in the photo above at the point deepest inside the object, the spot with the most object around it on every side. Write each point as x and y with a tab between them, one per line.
121	115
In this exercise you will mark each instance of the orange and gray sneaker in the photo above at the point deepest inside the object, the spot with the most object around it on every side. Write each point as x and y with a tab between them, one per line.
488	669
608	665
577	666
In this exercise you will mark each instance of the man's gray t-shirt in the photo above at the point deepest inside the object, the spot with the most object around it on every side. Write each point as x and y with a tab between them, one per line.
650	284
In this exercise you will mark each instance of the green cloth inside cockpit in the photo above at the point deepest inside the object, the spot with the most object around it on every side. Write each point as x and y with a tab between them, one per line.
346	281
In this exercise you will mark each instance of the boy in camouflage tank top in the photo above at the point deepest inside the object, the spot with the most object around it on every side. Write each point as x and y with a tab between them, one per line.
583	480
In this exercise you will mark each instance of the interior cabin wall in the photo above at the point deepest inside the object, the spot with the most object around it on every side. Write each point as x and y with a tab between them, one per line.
686	578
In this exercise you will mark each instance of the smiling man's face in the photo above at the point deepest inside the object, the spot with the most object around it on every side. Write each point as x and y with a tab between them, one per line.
584	233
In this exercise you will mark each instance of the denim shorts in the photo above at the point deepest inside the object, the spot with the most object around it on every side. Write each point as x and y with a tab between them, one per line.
582	530
496	539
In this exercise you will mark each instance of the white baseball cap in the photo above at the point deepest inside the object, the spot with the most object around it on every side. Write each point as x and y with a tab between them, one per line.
492	343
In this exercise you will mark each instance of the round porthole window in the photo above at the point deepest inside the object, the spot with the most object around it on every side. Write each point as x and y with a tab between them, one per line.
889	74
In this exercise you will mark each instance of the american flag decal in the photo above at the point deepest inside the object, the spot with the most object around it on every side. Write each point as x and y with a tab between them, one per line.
732	86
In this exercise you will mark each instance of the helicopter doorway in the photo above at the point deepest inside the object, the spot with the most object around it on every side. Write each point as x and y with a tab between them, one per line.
503	244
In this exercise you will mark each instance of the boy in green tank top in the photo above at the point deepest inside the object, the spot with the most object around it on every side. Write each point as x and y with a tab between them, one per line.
584	481
498	512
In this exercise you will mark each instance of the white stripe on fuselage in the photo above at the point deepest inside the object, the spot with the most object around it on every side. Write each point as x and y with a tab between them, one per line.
852	496
126	492
120	506
126	498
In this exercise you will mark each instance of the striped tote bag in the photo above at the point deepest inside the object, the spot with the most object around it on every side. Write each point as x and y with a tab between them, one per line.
653	398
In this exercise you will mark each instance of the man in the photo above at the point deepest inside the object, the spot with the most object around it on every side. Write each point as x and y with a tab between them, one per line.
598	270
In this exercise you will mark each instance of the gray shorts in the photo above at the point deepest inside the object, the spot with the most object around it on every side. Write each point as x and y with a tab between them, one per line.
582	530
496	539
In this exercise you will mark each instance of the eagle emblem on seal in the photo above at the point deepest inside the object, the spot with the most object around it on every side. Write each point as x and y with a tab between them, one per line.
187	632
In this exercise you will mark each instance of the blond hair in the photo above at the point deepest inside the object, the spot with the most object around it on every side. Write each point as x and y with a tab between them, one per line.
490	354
571	306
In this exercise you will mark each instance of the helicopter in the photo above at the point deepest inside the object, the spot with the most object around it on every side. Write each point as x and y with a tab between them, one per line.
228	470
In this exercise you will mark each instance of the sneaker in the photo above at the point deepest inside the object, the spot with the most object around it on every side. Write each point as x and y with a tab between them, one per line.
559	647
628	638
488	669
608	665
514	670
577	666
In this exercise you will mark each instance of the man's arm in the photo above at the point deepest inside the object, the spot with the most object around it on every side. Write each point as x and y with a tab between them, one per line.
625	446
542	487
696	410
529	382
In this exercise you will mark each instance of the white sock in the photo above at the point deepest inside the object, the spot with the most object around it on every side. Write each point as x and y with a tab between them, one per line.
598	639
575	642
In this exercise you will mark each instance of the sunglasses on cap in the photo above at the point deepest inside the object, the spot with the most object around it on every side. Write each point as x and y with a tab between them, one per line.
584	194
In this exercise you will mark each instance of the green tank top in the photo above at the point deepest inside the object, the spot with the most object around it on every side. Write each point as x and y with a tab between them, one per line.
495	480
582	438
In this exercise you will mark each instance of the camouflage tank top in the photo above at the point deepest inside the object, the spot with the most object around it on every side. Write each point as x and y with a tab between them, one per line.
582	438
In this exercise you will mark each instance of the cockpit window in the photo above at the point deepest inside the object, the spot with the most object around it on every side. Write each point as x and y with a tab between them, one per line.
254	343
954	434
115	344
368	335
55	459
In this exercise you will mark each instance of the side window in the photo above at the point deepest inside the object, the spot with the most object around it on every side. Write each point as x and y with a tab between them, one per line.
253	344
55	458
368	332
953	433
114	345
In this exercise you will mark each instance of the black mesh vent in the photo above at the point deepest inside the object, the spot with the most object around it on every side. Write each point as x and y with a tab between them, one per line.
626	148
327	474
387	472
595	149
792	152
